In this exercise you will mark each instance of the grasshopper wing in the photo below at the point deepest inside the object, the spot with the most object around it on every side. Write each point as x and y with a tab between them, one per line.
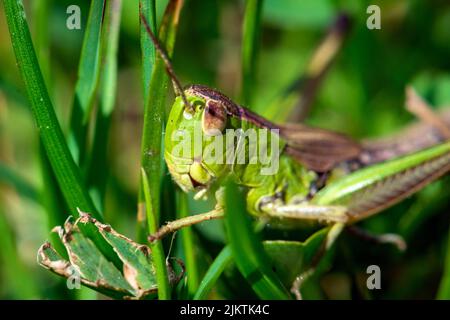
318	149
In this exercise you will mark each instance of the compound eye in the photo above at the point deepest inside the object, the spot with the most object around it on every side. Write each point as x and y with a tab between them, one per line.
214	119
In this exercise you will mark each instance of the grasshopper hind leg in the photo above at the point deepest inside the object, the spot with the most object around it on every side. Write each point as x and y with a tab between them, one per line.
330	239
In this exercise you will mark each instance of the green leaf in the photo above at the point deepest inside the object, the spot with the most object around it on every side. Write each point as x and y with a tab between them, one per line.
157	248
65	169
189	247
224	259
248	251
154	113
137	278
292	258
148	54
88	78
98	160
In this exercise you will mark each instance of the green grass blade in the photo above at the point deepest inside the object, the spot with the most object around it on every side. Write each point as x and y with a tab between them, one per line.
148	10
224	258
250	40
247	249
154	113
162	278
189	248
41	36
98	161
50	131
66	171
148	55
87	83
51	197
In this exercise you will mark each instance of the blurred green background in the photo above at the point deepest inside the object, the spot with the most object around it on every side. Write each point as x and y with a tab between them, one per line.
362	95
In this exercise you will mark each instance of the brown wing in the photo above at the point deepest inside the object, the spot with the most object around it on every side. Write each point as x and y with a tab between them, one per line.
318	149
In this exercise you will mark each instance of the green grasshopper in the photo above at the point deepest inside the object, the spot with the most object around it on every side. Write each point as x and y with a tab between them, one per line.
322	178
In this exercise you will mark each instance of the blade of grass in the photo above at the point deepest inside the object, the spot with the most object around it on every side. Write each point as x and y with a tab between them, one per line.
41	35
98	166
49	129
187	238
154	115
51	196
88	78
247	249
63	165
148	10
223	259
250	40
52	199
162	278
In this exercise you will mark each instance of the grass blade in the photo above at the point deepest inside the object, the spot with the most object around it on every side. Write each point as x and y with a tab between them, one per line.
247	249
50	131
66	171
88	78
224	258
51	196
41	34
250	39
148	10
98	168
154	114
162	278
187	238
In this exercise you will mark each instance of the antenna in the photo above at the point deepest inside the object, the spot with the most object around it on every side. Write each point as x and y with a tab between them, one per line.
162	53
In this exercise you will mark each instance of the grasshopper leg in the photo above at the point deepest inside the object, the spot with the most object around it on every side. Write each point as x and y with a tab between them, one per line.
330	239
175	225
390	238
307	212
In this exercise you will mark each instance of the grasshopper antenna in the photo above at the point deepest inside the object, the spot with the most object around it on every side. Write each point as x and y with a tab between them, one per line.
162	53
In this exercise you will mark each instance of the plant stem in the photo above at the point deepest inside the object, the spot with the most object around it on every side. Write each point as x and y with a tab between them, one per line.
187	237
162	278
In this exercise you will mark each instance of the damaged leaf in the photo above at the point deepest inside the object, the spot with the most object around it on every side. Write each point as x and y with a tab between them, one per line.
136	280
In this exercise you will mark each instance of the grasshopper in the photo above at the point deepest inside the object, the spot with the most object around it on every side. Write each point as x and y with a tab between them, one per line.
323	177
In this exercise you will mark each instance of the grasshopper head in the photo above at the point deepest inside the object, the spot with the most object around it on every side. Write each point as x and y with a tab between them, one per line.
194	151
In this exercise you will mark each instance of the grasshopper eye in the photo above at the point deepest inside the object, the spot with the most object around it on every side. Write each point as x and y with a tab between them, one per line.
214	119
